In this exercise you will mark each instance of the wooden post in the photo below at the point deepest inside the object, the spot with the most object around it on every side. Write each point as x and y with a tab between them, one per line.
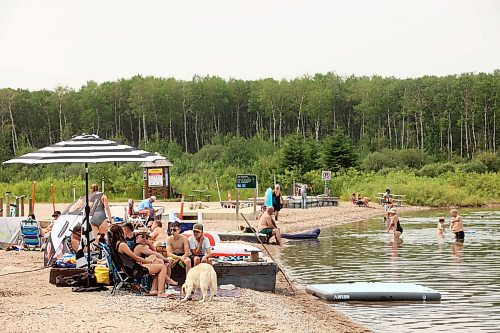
17	207
237	203
254	201
1	207
7	206
30	209
102	184
22	206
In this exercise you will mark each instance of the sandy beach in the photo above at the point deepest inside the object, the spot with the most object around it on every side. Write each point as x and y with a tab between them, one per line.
29	303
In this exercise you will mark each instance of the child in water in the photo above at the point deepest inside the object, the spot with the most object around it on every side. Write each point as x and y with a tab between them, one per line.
440	227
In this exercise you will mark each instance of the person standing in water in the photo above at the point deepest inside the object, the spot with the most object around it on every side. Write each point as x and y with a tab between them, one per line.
457	225
440	227
394	224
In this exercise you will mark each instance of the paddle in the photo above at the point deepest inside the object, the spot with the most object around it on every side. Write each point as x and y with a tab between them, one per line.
265	248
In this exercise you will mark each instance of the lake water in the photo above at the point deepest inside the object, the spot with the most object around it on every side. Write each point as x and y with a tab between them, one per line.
467	275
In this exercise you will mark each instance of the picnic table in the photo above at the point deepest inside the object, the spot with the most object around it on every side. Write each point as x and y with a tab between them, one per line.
198	194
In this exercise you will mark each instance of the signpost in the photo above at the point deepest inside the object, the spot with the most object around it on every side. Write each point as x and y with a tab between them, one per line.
246	182
326	175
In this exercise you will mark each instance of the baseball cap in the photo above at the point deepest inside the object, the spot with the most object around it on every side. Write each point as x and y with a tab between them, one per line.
153	198
198	226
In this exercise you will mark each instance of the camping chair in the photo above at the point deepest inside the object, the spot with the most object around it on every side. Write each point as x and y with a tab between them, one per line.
120	272
134	217
30	233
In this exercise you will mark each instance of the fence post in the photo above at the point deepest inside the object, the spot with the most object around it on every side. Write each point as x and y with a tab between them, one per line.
30	209
17	207
1	207
7	206
22	207
102	184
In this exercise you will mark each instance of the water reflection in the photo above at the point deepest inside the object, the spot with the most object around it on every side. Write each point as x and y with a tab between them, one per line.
466	273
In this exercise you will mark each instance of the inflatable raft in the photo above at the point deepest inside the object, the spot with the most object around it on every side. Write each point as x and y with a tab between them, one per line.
313	234
373	291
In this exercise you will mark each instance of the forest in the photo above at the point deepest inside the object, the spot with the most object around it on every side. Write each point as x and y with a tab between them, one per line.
290	129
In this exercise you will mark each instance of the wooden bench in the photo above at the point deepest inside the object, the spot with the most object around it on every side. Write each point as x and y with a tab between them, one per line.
207	197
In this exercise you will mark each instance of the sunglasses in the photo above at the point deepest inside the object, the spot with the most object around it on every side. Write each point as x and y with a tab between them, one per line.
197	231
174	229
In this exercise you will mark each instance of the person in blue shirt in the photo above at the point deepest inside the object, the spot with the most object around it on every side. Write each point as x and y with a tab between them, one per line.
146	207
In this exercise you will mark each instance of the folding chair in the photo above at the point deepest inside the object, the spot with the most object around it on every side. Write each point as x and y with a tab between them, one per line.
120	274
30	233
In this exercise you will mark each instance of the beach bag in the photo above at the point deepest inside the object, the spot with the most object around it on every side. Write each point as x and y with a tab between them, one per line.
102	274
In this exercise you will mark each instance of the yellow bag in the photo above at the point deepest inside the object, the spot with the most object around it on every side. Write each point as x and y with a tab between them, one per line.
102	274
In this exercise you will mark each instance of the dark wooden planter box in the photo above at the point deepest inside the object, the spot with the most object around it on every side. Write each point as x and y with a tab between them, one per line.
260	276
55	272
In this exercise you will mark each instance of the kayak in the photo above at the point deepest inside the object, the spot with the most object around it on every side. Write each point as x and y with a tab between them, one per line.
303	235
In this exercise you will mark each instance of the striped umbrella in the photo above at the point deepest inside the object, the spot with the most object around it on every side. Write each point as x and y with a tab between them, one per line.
86	149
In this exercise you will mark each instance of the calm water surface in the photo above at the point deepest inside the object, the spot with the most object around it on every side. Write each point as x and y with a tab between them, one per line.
467	275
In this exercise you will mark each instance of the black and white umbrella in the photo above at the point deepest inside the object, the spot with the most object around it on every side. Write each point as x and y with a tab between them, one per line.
86	149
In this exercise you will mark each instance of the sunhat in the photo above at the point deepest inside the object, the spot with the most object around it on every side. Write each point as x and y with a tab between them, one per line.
153	198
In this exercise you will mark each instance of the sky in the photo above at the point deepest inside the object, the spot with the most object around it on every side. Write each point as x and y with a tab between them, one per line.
50	43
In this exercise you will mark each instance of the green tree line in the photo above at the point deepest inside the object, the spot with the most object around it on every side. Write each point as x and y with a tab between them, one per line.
454	115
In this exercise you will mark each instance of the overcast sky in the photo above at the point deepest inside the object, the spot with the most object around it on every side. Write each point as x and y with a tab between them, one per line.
48	43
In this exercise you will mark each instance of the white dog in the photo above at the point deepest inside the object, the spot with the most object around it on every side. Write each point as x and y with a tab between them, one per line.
202	276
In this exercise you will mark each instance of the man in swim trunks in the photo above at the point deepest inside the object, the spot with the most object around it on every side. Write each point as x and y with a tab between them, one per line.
178	246
267	225
457	225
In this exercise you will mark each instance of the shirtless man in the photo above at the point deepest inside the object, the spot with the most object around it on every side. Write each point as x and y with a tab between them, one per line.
178	246
158	235
267	225
457	225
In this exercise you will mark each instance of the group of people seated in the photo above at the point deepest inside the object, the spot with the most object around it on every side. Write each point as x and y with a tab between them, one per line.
140	246
359	200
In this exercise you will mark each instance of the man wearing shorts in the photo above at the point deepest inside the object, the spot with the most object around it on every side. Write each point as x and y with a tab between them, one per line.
267	225
201	251
457	225
178	246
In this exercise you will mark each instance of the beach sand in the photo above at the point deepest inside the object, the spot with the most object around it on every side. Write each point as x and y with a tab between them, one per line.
29	303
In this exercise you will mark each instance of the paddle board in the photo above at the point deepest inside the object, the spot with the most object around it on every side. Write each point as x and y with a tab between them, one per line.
373	291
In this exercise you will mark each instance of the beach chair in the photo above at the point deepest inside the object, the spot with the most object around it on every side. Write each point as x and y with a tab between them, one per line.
123	274
30	234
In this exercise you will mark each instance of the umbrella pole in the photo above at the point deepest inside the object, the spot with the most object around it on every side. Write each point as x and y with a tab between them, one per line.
87	222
